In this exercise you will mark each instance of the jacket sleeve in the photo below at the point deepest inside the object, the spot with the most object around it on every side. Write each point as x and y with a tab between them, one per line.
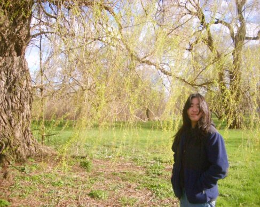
217	157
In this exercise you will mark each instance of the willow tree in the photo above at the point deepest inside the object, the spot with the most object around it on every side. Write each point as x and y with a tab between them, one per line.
217	41
98	62
15	90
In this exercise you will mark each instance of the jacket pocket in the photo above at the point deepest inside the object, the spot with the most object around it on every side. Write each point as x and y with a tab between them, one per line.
196	196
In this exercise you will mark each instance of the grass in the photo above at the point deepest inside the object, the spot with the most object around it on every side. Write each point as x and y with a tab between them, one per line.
98	194
124	165
4	203
242	185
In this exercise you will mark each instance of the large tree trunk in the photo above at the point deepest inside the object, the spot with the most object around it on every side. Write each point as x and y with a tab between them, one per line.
15	82
15	107
235	109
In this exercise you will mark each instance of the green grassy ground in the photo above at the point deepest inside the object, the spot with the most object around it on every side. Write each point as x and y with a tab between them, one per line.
242	186
125	165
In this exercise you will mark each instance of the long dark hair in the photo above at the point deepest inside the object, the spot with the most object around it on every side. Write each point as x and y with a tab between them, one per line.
204	123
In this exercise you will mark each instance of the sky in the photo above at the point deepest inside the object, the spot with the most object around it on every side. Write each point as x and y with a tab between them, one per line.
32	57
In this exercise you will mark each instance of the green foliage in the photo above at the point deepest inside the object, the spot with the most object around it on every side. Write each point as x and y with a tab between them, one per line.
127	201
86	164
160	188
155	170
4	203
98	194
27	168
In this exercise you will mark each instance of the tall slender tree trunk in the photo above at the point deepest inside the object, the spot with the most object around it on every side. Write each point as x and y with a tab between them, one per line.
15	82
235	117
235	111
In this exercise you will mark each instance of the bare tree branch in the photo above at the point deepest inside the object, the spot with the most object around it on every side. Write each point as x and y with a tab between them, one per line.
231	30
40	33
254	38
45	12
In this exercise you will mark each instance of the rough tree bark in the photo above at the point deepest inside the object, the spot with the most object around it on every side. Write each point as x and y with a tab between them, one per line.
235	74
15	82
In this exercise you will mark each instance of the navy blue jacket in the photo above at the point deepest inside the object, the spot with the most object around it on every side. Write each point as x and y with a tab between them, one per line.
206	163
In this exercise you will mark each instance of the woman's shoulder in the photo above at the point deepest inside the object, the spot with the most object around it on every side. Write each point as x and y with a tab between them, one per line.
212	129
214	135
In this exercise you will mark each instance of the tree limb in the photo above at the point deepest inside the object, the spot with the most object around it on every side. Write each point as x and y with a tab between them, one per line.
254	38
230	28
40	33
45	12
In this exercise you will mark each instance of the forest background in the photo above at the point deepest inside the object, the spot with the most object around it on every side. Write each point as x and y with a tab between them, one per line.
105	91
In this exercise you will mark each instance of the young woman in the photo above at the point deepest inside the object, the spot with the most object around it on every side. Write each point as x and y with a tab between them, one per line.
200	157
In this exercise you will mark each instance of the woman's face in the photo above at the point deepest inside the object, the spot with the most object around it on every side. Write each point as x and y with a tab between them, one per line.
194	112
